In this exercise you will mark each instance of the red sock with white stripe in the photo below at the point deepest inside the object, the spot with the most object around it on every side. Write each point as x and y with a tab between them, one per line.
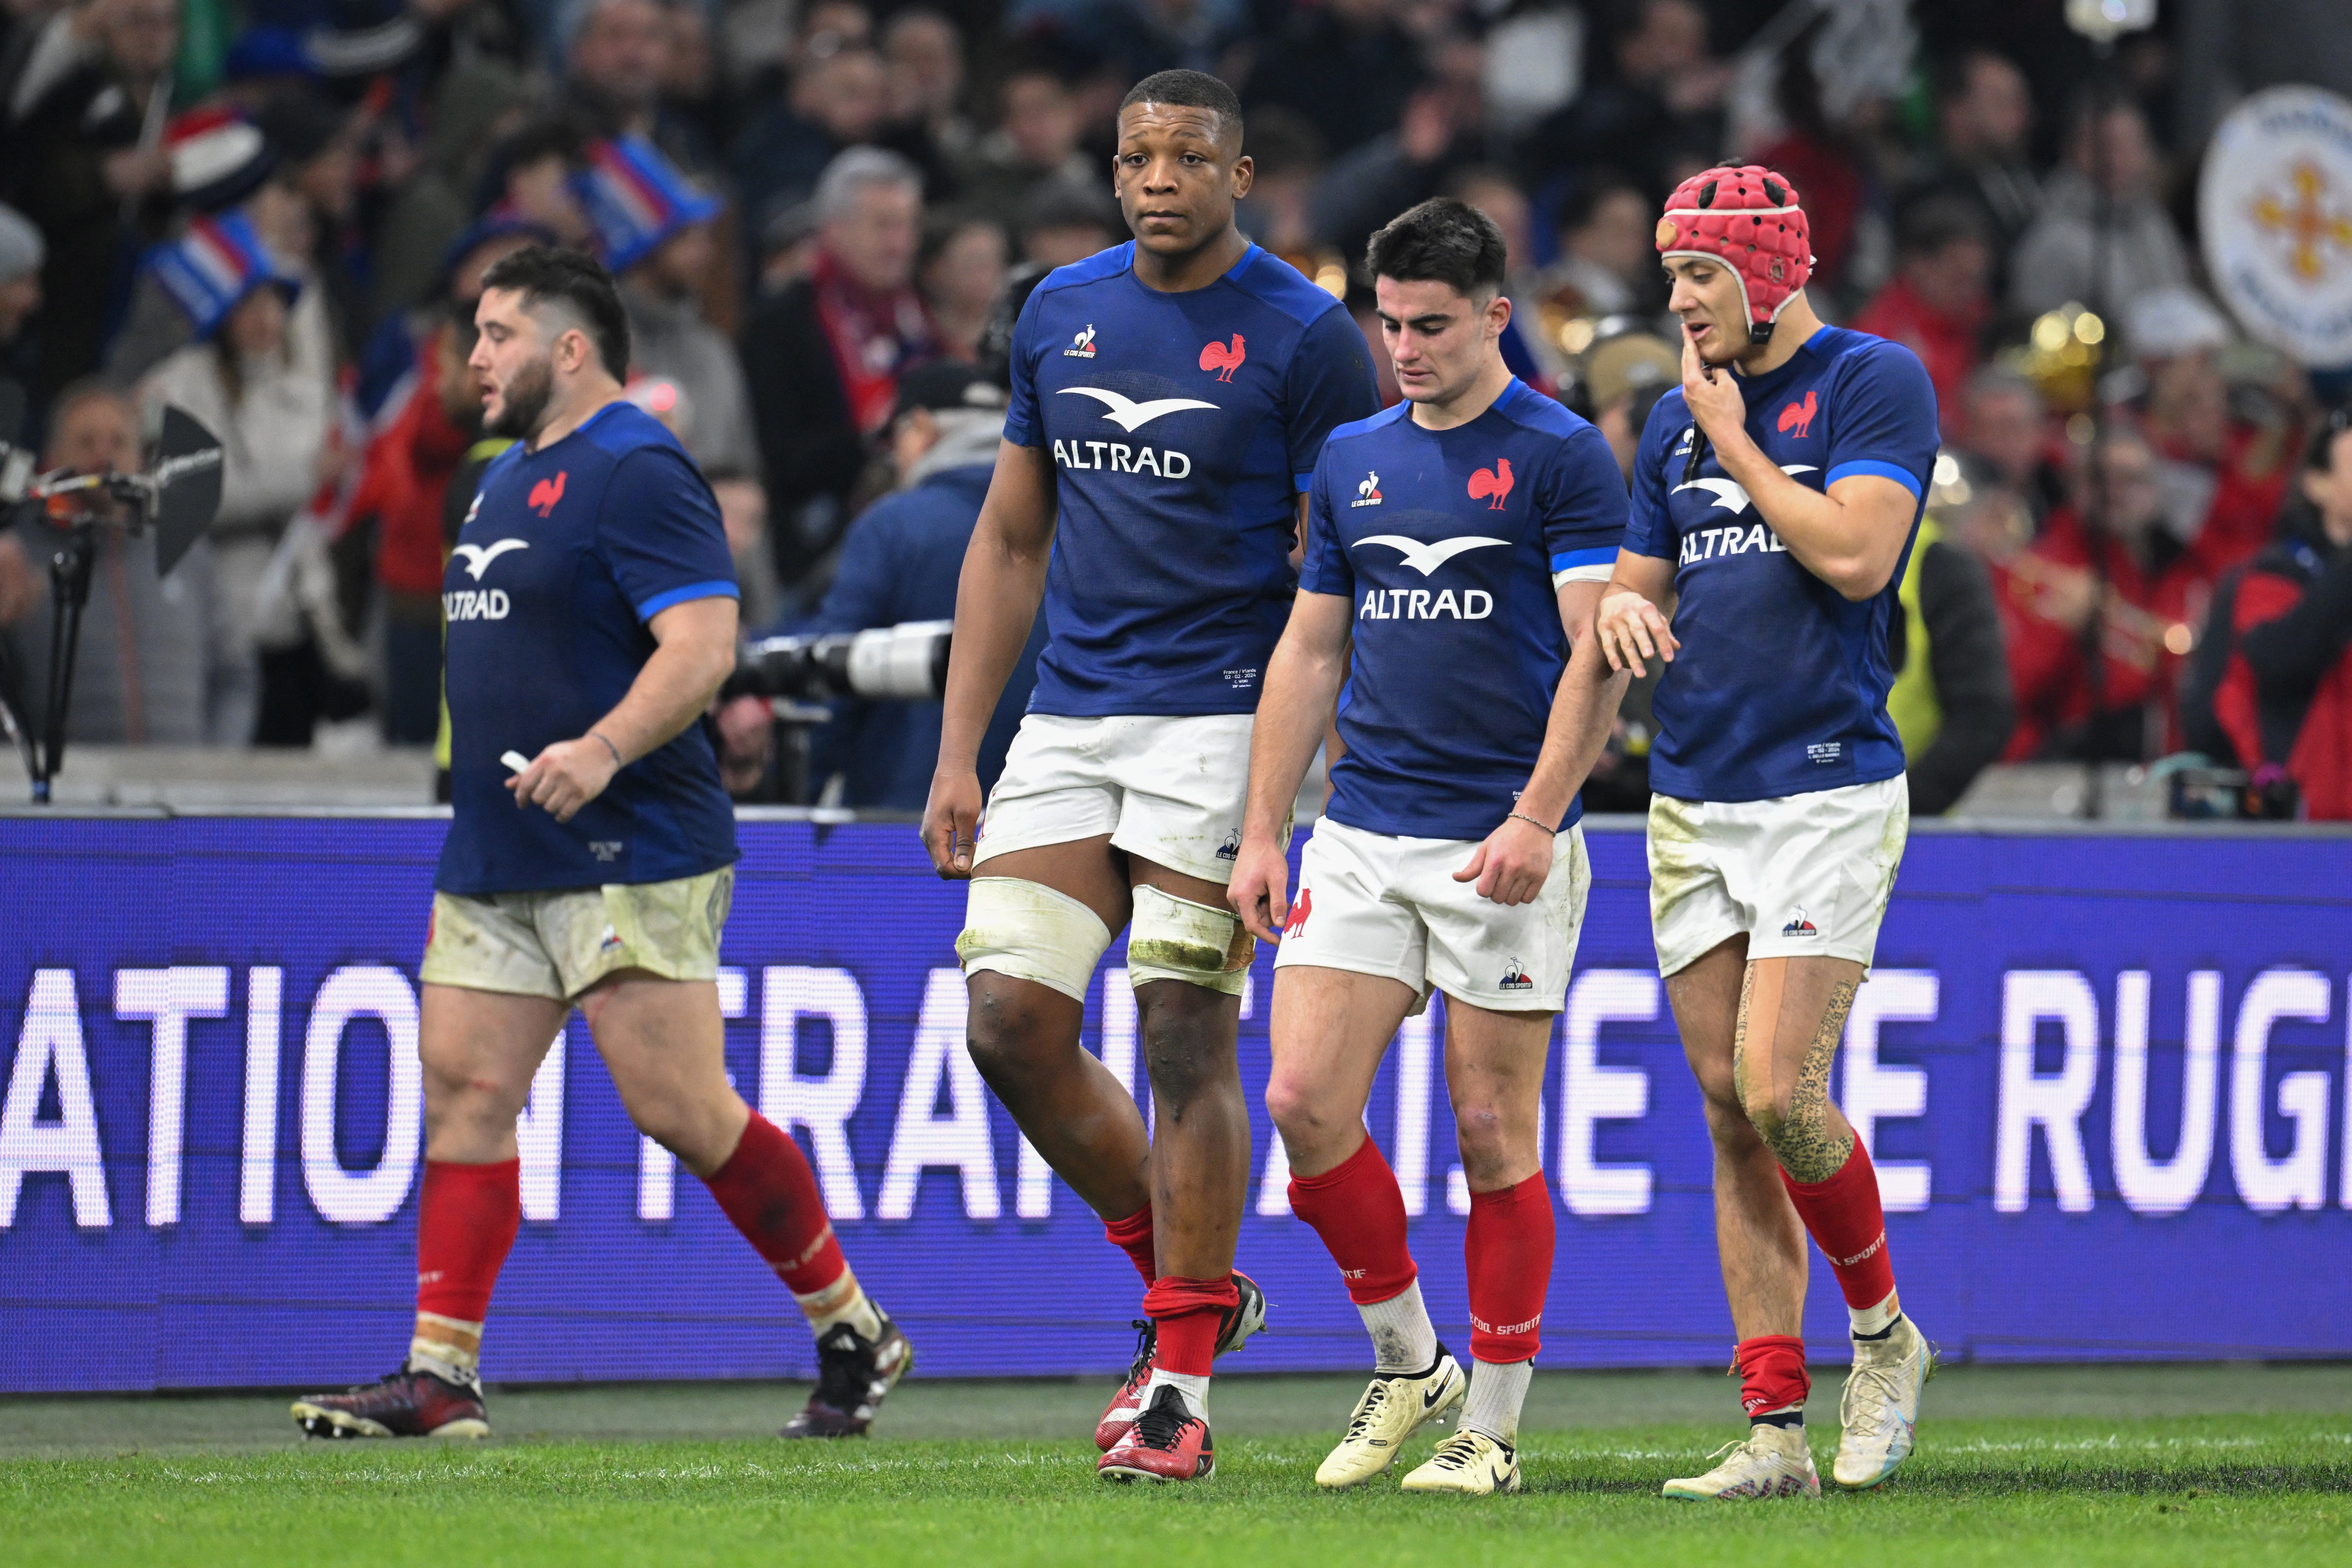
1846	1221
1509	1247
466	1217
767	1188
1358	1209
1188	1314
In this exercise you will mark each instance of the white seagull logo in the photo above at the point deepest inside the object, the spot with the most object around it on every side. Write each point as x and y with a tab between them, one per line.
478	557
1426	559
1131	415
1732	496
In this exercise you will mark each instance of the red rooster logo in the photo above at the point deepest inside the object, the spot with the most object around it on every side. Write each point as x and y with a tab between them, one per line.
1301	909
1225	361
1798	417
546	493
1495	482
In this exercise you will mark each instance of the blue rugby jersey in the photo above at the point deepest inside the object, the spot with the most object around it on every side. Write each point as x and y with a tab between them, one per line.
1449	545
565	555
1780	684
1182	427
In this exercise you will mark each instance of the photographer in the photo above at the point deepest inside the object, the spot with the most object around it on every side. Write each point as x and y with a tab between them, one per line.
2286	696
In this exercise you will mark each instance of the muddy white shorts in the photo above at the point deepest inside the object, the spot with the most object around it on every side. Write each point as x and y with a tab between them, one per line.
1168	788
1374	903
559	944
1802	876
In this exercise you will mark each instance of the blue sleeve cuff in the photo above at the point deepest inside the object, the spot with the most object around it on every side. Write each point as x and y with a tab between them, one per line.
1569	560
716	588
1901	475
1302	482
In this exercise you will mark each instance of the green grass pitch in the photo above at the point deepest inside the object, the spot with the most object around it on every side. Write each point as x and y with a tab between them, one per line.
2137	1466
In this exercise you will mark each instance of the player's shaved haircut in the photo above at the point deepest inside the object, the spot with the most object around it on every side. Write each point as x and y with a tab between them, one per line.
558	274
1189	90
1442	241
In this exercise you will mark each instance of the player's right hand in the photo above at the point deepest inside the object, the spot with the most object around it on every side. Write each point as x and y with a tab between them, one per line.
1260	889
951	820
1631	629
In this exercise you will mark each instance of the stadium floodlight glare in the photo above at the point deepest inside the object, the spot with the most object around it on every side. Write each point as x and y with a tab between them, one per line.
2104	21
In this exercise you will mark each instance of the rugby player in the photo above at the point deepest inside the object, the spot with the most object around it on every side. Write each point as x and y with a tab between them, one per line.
591	606
1457	546
1169	398
1776	494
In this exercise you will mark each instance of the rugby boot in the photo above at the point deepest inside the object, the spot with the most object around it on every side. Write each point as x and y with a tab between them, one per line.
1880	1407
1244	1317
1467	1464
404	1405
1775	1462
853	1376
1167	1443
1393	1408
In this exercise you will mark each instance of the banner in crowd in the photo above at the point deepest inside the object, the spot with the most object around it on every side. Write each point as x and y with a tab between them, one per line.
2103	1077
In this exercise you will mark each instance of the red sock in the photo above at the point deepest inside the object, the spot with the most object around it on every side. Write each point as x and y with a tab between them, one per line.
1132	1236
1358	1209
1772	1373
1510	1248
1843	1215
767	1188
1189	1314
466	1217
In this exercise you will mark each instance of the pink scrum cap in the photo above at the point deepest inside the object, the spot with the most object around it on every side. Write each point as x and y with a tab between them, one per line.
1749	220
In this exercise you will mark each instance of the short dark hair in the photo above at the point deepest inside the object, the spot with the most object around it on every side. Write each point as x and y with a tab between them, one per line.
1441	241
1187	90
1932	223
540	273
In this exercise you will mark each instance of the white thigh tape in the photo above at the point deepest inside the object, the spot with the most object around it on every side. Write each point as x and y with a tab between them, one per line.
1030	932
1176	939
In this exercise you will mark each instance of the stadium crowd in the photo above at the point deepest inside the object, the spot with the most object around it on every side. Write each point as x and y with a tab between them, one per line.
276	215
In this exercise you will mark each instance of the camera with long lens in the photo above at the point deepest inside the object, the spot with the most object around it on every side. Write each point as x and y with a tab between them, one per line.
797	675
906	662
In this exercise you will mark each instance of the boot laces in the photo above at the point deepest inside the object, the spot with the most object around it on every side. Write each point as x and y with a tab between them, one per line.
1161	1424
1146	1345
1458	1452
1370	1408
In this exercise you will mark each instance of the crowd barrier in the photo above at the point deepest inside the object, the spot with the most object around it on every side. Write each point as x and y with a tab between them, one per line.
2103	1077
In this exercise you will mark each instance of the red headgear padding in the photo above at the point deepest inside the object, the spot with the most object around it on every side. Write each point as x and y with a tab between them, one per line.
1749	220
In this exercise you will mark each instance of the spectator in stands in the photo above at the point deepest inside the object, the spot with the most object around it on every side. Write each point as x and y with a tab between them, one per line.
924	53
21	251
1442	131
78	162
318	160
1984	120
901	563
2285	699
1344	68
1288	157
403	486
2143	585
1061	223
2224	476
1607	263
1035	144
961	270
1951	701
1939	300
243	381
2051	264
824	356
479	107
1662	103
1625	375
616	59
1824	155
839	97
2004	422
149	645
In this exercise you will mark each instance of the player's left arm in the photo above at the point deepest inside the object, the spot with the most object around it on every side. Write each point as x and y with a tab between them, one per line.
693	655
1850	536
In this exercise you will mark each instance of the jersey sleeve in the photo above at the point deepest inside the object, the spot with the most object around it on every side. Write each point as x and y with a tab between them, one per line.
1883	420
1020	426
1325	569
1330	385
659	533
1585	521
1649	527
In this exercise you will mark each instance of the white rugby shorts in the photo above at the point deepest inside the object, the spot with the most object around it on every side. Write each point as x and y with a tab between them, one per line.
1802	876
1169	788
1374	903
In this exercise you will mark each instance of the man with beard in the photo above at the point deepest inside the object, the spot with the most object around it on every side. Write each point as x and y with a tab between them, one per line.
591	609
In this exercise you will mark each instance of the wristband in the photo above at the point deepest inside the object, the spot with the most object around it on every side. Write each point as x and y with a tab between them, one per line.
1532	821
611	747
